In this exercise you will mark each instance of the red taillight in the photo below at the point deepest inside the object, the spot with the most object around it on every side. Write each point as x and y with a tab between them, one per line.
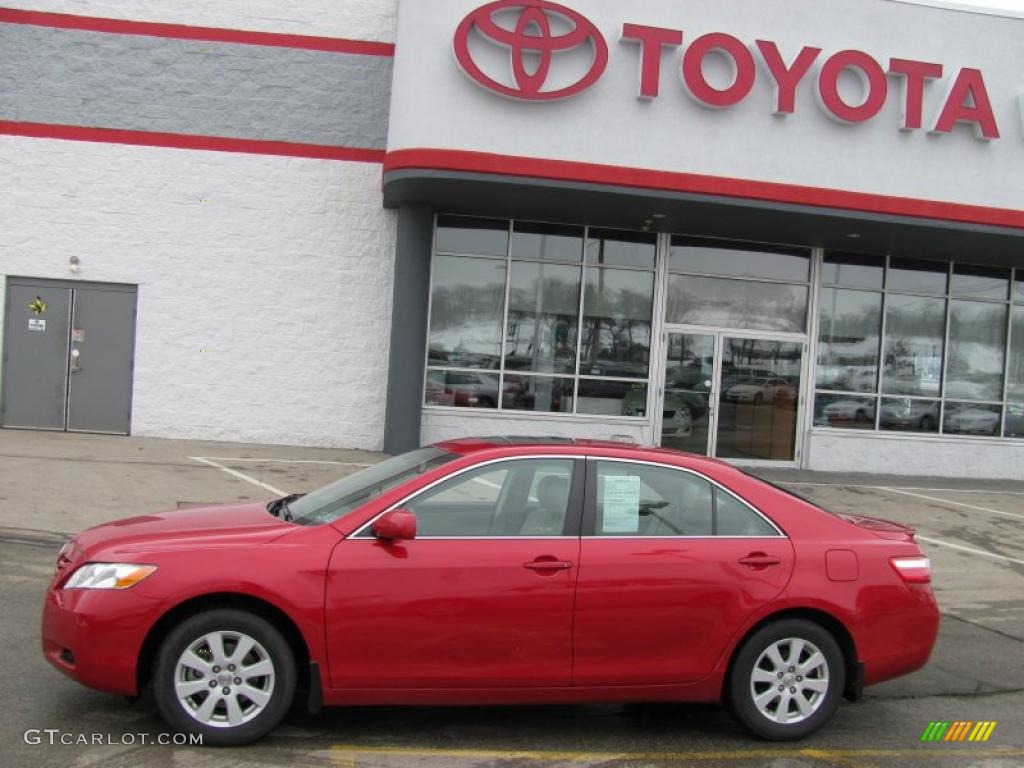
914	570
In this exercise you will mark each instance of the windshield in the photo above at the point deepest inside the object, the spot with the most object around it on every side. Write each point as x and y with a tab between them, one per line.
342	496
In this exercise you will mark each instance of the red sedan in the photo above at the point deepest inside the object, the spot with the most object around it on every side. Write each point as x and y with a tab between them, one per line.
496	571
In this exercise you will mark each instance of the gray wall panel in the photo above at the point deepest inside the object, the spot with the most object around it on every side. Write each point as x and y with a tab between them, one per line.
409	319
132	82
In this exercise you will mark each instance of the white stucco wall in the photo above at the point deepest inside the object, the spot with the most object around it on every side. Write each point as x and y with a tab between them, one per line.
284	275
905	455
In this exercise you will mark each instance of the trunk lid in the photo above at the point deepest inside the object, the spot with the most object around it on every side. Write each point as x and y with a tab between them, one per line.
886	529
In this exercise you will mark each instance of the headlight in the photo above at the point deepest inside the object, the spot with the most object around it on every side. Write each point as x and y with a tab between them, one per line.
108	576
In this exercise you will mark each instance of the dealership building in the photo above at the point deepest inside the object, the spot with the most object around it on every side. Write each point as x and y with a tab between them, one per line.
785	233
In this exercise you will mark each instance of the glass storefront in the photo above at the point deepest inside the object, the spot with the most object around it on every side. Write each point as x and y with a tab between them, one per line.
706	341
922	347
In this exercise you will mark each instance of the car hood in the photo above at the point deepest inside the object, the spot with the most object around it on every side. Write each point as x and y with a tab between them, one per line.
233	524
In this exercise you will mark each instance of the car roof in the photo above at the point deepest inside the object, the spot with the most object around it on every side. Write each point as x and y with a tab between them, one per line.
468	446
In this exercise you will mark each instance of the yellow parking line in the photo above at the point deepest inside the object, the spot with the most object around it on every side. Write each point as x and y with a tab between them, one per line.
344	752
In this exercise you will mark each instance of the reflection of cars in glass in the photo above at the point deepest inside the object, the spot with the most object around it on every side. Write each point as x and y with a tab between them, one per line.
686	399
977	420
474	572
910	414
681	409
467	389
849	410
756	391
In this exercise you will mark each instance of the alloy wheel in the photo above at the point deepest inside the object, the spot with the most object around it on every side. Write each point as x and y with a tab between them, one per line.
789	680
224	679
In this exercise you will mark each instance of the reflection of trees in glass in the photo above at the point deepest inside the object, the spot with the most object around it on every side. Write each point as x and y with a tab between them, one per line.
751	358
737	304
466	312
914	342
542	318
977	350
849	337
617	321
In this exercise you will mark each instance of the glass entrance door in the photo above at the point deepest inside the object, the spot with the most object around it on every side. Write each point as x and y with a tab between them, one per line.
732	396
687	396
759	392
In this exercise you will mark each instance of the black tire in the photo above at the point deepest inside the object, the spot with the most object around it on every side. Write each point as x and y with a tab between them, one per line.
758	398
228	621
927	423
861	415
740	696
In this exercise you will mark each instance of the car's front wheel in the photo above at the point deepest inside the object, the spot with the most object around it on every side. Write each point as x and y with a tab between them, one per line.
787	680
226	675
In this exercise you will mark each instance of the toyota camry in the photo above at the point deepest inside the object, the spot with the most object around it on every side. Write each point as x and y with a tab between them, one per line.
496	571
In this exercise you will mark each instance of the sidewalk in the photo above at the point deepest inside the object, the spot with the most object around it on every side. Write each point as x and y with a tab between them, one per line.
61	483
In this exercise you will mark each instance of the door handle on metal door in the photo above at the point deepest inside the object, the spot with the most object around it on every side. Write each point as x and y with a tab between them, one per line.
759	560
548	564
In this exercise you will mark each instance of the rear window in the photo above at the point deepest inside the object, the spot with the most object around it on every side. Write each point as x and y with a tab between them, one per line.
788	492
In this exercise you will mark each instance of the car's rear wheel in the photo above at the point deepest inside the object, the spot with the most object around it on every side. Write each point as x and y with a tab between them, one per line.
787	680
226	675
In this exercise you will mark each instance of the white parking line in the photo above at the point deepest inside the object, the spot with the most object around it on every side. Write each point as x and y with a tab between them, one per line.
284	461
969	550
905	488
954	503
239	475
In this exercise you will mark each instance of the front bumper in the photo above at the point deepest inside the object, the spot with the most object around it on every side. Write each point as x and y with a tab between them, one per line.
94	636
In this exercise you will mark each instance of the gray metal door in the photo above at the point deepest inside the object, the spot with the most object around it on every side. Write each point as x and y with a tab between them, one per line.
102	351
68	355
35	365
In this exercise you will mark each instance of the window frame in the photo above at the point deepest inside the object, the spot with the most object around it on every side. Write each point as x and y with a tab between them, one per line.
589	529
573	515
1013	304
576	376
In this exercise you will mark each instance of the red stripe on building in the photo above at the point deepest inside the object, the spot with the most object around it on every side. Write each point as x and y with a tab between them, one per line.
185	32
640	178
185	141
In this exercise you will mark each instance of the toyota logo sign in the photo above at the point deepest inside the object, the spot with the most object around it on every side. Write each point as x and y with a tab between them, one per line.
541	34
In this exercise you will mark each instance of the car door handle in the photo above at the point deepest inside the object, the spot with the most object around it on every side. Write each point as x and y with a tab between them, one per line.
759	560
541	564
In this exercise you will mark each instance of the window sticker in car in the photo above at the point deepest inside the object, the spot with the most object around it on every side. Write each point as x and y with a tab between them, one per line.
621	504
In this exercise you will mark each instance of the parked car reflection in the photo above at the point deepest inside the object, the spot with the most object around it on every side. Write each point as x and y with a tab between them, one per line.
966	418
860	411
757	391
468	389
906	414
687	392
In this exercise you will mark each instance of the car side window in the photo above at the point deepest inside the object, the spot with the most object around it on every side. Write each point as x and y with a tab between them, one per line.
526	497
644	501
734	518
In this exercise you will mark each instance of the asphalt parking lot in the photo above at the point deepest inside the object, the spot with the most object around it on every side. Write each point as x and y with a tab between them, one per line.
53	485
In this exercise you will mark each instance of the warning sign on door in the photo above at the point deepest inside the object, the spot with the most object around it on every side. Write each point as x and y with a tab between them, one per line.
35	324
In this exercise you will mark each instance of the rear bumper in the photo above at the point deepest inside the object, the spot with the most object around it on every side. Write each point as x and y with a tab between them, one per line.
95	636
901	642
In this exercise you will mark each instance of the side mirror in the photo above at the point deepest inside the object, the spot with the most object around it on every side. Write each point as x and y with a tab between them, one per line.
396	525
